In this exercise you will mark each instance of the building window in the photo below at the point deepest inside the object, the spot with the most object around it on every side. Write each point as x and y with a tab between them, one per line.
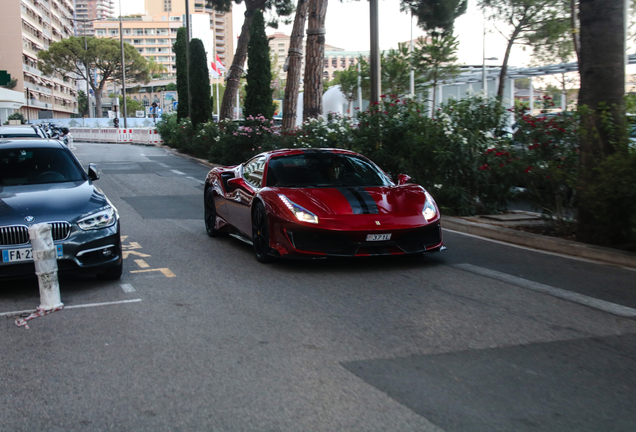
113	32
138	32
167	5
100	32
151	42
149	32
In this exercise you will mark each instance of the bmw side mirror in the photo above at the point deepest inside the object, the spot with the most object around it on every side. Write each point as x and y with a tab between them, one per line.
403	179
93	173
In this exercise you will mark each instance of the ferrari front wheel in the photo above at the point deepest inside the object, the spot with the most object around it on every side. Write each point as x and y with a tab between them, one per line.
210	213
260	234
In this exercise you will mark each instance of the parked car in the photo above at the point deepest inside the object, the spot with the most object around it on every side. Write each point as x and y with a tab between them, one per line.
319	203
41	181
21	131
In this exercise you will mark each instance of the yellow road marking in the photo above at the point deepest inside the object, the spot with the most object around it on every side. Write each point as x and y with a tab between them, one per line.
141	263
166	272
132	245
139	254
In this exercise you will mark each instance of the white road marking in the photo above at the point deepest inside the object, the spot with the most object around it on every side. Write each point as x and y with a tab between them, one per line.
178	172
196	180
128	288
605	306
75	306
539	250
163	165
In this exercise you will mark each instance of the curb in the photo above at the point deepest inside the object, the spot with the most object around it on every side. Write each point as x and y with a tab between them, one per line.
546	243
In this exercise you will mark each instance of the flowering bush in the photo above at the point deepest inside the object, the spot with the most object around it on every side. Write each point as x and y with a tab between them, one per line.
548	152
334	131
239	142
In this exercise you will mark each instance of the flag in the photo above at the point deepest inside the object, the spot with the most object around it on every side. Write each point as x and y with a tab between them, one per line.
215	72
219	65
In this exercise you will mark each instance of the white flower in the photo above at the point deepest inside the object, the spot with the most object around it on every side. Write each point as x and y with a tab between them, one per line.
438	186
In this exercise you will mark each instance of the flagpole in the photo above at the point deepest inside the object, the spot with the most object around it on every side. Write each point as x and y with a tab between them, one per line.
218	112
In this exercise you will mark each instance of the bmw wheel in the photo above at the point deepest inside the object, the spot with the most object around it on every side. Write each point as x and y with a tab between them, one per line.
260	234
210	213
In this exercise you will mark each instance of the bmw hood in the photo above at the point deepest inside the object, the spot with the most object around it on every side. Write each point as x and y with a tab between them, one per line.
49	202
404	200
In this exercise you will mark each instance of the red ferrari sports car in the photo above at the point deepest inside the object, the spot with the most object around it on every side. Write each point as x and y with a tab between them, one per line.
318	203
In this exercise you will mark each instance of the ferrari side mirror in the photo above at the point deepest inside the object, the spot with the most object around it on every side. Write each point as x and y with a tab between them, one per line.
235	183
403	179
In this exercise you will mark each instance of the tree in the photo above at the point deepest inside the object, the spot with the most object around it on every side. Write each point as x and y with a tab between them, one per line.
282	8
294	65
602	130
201	110
155	70
68	56
433	59
132	105
314	63
435	15
82	103
396	71
179	49
529	22
258	90
348	82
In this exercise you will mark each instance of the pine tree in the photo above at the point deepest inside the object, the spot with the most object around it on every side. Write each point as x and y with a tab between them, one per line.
201	110
179	48
258	98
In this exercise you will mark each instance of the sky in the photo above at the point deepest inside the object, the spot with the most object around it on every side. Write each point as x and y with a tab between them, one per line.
348	27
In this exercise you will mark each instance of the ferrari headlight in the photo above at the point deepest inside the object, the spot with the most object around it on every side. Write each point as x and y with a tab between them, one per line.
102	218
429	211
301	214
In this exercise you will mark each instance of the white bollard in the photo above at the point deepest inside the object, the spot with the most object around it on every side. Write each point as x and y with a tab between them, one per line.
45	259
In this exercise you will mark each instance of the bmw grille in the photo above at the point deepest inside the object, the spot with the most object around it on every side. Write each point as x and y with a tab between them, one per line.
19	234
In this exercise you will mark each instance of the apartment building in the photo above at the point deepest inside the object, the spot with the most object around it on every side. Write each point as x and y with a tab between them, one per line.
28	27
336	59
87	11
154	32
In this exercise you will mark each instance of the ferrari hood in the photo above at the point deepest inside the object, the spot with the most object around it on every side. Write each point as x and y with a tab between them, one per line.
402	200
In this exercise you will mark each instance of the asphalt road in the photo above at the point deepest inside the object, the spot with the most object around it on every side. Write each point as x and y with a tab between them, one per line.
197	335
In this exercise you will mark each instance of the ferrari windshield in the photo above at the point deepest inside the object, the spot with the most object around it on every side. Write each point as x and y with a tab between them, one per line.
37	165
324	169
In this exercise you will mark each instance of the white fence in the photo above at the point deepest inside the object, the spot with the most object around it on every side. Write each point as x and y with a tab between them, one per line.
145	136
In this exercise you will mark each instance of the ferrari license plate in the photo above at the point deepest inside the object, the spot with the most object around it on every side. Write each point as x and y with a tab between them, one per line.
24	254
378	237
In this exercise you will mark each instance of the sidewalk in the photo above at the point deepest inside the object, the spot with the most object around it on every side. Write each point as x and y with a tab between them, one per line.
497	228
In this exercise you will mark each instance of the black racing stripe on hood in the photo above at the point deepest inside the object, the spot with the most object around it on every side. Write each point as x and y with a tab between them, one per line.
367	200
354	202
359	200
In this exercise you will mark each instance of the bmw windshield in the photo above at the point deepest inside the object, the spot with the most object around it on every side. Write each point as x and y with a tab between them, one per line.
37	165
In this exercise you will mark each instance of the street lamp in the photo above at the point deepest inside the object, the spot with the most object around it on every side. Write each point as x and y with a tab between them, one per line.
123	66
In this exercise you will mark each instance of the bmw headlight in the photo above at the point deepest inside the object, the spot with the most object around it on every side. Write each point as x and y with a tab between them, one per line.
301	214
102	218
429	211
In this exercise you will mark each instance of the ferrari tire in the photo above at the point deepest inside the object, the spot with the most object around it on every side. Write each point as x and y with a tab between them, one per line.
210	213
260	234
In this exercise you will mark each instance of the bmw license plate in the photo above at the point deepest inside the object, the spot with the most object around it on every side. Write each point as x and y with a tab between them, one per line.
24	254
378	237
